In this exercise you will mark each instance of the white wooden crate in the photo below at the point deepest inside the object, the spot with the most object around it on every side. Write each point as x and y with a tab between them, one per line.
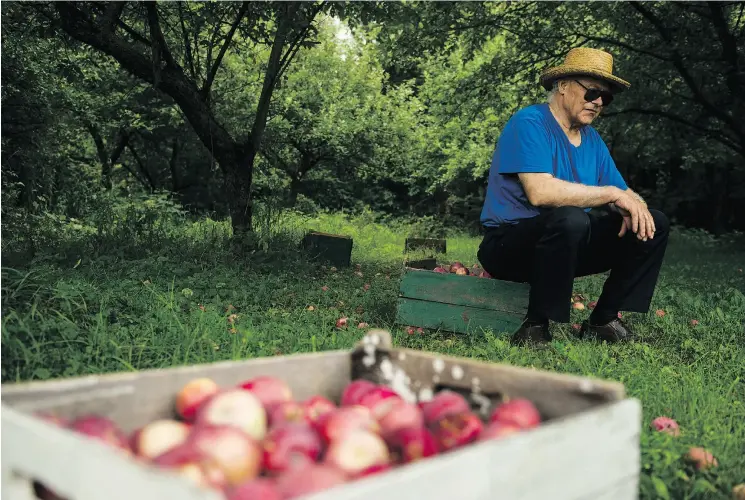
587	449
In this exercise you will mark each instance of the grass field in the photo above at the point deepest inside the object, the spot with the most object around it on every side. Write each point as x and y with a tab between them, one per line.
192	299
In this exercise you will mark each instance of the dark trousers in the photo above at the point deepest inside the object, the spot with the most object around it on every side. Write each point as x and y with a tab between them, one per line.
550	250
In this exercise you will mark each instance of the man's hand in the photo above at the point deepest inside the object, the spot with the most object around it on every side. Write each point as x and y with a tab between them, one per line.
636	216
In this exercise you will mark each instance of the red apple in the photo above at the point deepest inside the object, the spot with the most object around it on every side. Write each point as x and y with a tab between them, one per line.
485	274
738	492
102	429
316	406
190	463
497	430
260	488
344	420
440	270
462	271
444	403
286	411
520	412
159	436
455	266
374	469
667	425
701	458
358	451
269	390
402	415
192	395
457	430
380	400
592	304
354	391
311	478
232	451
342	322
411	444
290	445
578	306
237	408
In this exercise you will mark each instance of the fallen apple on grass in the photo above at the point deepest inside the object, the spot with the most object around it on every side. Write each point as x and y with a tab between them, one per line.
701	458
666	425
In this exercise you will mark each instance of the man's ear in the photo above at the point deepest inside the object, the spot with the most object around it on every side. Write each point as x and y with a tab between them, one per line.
563	84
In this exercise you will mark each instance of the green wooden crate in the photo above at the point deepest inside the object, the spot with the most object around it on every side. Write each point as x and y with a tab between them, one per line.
460	304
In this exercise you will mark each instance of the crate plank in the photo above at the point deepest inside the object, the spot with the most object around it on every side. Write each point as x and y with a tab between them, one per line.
335	249
573	459
454	318
451	288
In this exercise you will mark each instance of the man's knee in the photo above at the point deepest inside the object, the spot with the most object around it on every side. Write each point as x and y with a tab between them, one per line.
569	221
661	222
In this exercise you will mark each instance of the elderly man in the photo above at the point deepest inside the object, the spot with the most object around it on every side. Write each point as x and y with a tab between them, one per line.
550	180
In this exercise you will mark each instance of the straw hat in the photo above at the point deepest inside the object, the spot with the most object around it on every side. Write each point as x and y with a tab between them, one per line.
584	61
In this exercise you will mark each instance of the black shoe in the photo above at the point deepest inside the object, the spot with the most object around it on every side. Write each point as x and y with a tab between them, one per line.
614	331
531	333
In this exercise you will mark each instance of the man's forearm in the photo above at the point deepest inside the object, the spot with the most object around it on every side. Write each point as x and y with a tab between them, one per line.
552	192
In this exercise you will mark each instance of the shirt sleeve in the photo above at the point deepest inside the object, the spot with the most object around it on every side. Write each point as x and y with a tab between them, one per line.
608	173
524	147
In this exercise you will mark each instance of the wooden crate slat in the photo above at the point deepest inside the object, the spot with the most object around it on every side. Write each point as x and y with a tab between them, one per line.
465	291
454	318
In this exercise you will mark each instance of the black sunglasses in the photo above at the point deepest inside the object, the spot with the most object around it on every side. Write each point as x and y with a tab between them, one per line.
593	94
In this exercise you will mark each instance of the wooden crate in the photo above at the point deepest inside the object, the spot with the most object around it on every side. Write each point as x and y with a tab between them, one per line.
437	245
586	448
460	304
336	249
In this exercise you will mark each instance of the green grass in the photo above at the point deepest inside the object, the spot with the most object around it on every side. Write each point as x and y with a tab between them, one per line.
135	309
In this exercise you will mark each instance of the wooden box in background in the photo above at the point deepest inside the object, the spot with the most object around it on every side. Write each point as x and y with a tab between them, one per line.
461	304
335	249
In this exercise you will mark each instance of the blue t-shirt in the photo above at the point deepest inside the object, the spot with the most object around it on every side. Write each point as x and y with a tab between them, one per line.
533	141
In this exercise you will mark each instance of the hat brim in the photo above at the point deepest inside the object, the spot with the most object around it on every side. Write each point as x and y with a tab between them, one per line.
548	77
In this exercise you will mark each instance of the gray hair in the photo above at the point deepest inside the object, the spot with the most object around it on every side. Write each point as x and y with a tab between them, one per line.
554	90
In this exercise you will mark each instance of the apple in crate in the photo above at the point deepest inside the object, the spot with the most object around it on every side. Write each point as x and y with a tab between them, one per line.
269	390
317	406
189	463
379	400
455	431
520	412
261	488
443	403
411	444
159	436
192	395
286	412
216	448
237	408
344	420
354	391
403	415
356	452
311	478
289	446
102	429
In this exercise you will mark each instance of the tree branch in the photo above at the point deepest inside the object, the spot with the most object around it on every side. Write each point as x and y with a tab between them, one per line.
187	44
711	133
134	34
677	61
174	82
112	14
729	48
228	39
623	45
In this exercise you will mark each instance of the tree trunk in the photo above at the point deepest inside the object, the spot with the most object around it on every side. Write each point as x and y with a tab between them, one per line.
294	190
237	186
